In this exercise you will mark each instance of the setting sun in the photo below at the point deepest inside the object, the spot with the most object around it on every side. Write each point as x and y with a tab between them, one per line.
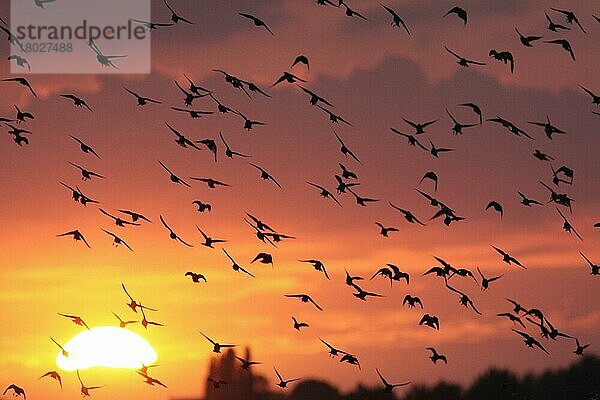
106	346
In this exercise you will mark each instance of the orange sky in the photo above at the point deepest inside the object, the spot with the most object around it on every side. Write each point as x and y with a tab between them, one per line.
374	75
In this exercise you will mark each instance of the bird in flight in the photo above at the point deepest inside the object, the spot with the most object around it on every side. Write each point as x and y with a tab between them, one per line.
235	266
86	174
388	387
141	100
419	127
325	193
54	375
172	234
301	59
595	97
62	349
435	357
305	299
217	346
431	321
496	206
384	231
117	240
85	390
228	152
151	26
460	13
554	27
76	320
17	391
133	304
570	17
457	129
265	175
527	40
317	265
350	12
564	43
505	57
208	241
594	268
21	81
283	383
196	277
567	225
122	322
76	236
549	129
174	178
258	22
344	149
181	139
176	17
246	364
412	140
507	258
104	60
412	301
315	98
396	20
463	62
78	102
299	325
530	341
84	147
485	282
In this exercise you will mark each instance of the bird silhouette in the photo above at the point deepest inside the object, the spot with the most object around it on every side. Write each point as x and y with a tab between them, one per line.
460	13
325	193
463	62
196	277
504	56
384	231
527	201
64	352
172	234
257	22
263	258
217	346
396	20
176	17
174	178
283	383
315	98
265	175
305	299
301	59
569	17
530	341
527	40
77	236
141	100
507	258
54	375
350	12
78	102
208	241
431	321
23	82
133	304
117	240
85	390
123	323
412	301
299	325
457	129
564	43
595	97
435	357
317	265
594	268
84	147
202	207
181	139
496	206
554	27
228	152
235	266
485	282
211	183
17	391
388	387
103	60
567	227
513	318
431	176
246	364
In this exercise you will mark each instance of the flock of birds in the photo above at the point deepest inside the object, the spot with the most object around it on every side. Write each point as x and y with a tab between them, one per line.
347	181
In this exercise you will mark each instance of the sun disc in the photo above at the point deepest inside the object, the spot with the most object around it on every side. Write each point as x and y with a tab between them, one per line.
106	346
